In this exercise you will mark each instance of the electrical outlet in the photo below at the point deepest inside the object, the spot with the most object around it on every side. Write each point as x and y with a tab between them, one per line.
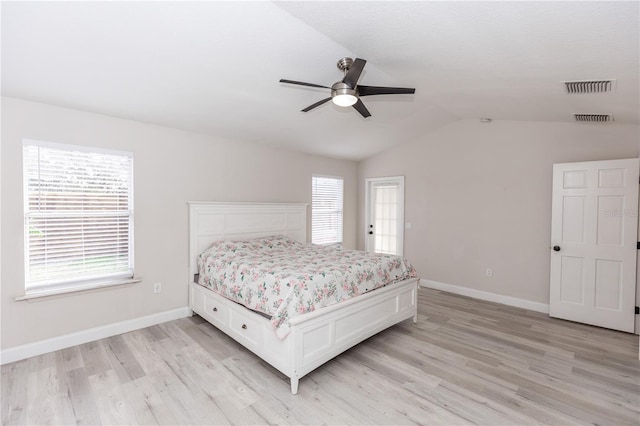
157	287
489	272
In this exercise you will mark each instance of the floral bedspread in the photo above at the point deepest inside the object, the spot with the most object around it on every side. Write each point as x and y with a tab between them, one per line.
283	278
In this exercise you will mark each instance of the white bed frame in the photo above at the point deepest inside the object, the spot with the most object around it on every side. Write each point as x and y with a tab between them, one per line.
315	337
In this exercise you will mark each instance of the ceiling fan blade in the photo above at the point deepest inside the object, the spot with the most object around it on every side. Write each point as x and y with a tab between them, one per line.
375	90
359	106
317	104
353	75
302	83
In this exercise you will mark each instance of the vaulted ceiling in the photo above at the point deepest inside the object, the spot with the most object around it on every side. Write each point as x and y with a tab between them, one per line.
213	67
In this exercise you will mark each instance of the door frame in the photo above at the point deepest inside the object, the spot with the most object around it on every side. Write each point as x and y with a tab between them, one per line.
369	183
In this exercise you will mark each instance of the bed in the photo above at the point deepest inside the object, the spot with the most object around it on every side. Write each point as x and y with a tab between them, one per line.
309	339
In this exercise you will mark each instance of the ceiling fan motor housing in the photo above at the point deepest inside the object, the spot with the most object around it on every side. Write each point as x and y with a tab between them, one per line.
341	88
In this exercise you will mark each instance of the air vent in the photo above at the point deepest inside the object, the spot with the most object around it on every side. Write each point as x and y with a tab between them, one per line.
593	118
589	86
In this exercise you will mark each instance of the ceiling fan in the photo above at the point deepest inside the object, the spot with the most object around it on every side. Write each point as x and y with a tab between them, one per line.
347	92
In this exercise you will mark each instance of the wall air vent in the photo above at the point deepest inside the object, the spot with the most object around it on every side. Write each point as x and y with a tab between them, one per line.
593	118
590	86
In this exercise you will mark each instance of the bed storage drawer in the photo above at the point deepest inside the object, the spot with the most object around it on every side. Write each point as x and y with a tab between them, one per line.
246	328
207	307
215	311
235	320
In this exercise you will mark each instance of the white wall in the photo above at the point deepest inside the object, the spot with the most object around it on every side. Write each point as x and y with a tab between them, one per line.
170	167
479	195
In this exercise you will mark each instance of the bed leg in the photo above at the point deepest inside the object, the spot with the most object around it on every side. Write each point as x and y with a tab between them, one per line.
415	318
294	385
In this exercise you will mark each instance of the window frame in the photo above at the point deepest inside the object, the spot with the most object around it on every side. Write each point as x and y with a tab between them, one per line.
58	285
340	238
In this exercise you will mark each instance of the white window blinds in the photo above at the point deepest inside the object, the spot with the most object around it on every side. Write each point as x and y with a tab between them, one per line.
326	210
78	205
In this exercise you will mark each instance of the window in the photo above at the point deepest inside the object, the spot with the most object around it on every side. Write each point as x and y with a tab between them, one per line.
326	210
78	215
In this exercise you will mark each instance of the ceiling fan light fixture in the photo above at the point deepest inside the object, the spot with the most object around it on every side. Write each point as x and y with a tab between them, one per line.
342	95
345	100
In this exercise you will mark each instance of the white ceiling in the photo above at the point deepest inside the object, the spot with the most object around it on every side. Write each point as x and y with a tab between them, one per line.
213	67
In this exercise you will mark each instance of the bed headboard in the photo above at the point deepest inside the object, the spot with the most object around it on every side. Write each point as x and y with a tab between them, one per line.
215	221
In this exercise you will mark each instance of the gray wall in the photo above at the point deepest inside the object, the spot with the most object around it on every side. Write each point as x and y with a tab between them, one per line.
171	167
479	195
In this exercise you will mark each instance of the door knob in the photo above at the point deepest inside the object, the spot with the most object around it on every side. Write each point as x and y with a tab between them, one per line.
556	248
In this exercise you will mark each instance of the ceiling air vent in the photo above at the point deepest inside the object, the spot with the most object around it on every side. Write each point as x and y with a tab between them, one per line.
589	86
594	118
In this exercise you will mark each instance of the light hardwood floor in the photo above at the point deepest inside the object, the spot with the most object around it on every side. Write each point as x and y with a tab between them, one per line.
465	361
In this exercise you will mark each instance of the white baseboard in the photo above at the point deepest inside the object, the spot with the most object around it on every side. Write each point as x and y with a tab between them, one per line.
18	353
485	295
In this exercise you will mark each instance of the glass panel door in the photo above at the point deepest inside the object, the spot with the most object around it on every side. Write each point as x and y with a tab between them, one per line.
385	215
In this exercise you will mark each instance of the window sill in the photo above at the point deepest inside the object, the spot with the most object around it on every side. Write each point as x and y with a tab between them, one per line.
30	295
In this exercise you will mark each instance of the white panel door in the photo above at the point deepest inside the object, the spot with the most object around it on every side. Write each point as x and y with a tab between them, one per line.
593	242
385	215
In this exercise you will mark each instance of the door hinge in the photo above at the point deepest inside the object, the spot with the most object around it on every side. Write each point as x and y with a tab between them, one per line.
637	310
638	245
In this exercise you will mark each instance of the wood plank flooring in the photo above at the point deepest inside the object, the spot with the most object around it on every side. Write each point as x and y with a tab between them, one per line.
464	362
